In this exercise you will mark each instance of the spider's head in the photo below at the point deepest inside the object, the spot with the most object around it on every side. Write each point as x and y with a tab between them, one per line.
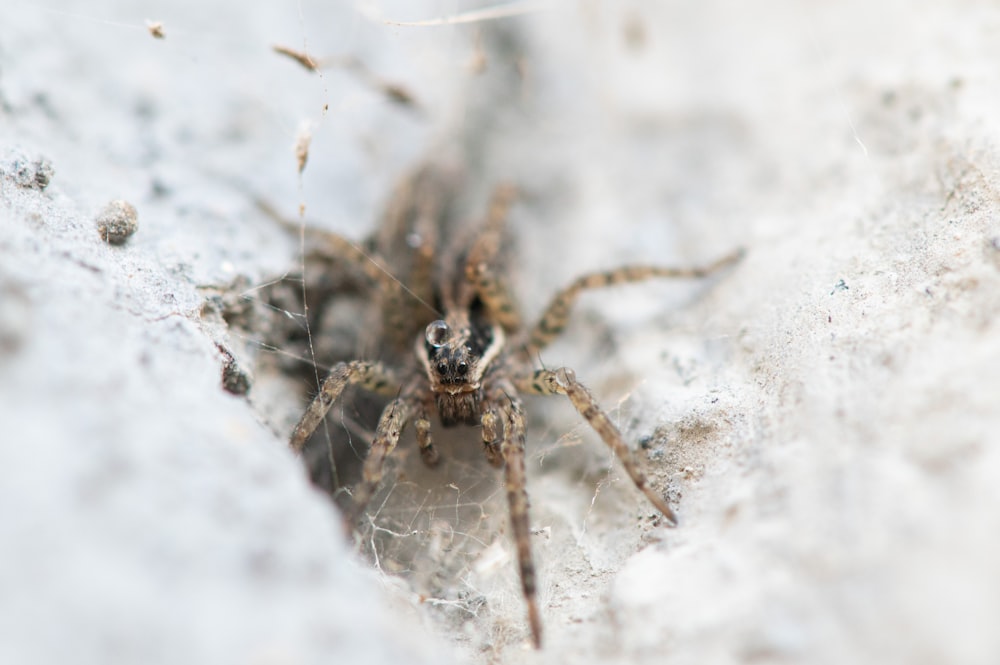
455	356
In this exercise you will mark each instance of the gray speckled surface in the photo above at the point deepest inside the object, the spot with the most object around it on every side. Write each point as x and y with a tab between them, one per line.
825	417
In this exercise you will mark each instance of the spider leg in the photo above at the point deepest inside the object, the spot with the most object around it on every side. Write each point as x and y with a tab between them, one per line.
512	451
371	376
563	382
491	438
321	242
480	265
394	418
399	304
409	233
428	453
556	315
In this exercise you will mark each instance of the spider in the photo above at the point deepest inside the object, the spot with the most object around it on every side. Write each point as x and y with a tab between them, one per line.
459	349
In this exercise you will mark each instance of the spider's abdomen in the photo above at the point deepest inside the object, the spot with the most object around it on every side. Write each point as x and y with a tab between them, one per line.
460	408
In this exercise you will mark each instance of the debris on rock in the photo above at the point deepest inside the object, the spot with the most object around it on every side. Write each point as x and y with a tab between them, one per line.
117	222
26	172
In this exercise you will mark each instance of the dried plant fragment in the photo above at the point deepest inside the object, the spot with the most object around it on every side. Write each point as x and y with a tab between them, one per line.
300	57
155	29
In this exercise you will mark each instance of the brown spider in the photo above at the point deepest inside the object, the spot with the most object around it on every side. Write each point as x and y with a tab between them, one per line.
471	357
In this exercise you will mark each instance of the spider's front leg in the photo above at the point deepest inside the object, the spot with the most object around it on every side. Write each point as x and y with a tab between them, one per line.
428	453
556	315
371	376
490	426
563	382
512	452
393	420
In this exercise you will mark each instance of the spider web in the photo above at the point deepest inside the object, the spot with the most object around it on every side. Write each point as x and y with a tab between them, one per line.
445	531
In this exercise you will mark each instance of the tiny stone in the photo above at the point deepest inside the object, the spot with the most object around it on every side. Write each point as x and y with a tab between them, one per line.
43	173
28	173
117	222
235	379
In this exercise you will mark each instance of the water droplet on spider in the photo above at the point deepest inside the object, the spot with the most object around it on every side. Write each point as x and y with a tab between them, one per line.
437	333
565	377
414	240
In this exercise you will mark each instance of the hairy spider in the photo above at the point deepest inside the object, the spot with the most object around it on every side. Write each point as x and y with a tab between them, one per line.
470	357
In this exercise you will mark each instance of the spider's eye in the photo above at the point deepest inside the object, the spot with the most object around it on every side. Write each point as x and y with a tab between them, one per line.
442	368
437	333
463	368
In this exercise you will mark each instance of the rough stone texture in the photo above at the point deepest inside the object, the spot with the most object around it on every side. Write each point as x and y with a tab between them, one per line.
824	417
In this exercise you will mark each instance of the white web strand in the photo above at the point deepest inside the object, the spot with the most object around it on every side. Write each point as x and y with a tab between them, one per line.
492	13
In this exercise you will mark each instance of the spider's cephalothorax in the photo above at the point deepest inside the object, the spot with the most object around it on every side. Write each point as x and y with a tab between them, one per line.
455	356
470	362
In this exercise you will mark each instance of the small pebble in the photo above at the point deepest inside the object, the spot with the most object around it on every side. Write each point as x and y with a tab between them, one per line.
117	222
27	173
235	379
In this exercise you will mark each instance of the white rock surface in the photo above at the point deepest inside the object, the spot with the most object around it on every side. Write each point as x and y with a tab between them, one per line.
825	417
